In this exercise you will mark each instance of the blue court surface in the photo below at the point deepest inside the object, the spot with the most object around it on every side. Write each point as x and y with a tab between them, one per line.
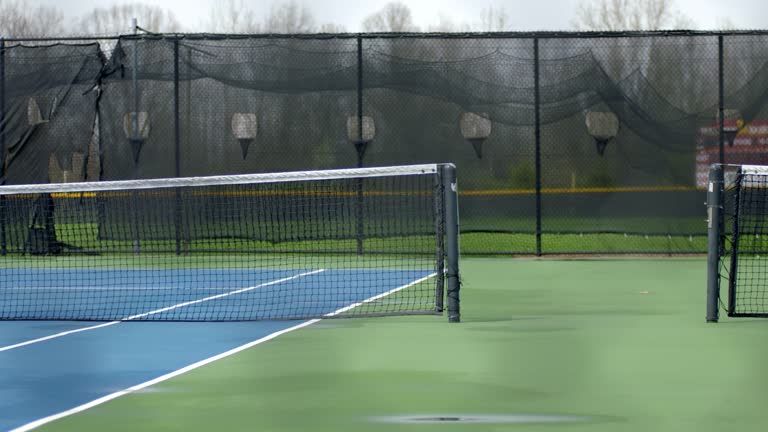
189	294
49	367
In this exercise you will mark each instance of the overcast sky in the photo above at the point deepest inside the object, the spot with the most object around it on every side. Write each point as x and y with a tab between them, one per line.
524	15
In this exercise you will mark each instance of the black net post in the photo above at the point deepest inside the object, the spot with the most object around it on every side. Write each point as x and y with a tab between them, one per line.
537	131
714	239
451	200
721	99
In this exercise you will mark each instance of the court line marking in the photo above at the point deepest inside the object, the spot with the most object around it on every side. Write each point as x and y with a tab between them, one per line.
57	335
218	296
78	409
157	311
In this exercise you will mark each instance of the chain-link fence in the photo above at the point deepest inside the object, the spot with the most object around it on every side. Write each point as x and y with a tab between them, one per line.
565	143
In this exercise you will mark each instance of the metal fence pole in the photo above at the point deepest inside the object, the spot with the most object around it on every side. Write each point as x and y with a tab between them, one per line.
714	239
135	82
135	128
176	144
360	147
3	241
176	128
2	111
537	132
721	99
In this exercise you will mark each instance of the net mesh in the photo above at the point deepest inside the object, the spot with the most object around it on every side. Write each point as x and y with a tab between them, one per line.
641	193
746	241
285	246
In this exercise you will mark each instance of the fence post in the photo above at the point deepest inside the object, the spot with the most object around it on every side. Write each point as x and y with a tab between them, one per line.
359	147
135	130
2	111
135	81
176	129
176	144
3	242
721	99
537	131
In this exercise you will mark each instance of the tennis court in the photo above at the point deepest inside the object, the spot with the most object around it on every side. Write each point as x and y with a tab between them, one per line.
582	345
122	355
149	280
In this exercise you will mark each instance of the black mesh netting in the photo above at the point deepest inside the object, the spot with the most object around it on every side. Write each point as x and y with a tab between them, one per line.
226	104
49	111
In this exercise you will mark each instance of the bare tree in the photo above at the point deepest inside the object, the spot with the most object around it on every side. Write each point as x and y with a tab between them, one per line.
18	19
447	25
492	19
726	23
117	19
332	28
290	17
394	17
232	16
617	15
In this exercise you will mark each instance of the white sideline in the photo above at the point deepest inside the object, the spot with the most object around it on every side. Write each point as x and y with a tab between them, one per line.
193	366
157	311
109	397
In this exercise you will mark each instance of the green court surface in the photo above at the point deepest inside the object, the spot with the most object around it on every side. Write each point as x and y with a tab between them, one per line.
620	344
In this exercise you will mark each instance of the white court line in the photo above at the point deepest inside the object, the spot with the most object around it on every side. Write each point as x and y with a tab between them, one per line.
57	335
218	296
374	298
76	288
157	311
193	366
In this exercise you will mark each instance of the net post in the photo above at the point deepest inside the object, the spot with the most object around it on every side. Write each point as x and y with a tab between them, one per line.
450	191
714	239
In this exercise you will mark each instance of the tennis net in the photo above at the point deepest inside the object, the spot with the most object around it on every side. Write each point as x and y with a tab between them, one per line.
293	245
738	240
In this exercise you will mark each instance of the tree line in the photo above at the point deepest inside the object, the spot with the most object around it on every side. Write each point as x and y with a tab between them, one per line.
19	20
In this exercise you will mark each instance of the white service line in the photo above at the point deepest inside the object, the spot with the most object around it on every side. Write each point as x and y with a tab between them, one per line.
193	366
218	296
57	335
157	311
